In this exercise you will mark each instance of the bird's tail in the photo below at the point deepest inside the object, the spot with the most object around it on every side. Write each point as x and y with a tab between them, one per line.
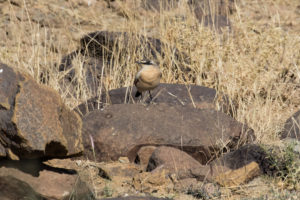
137	94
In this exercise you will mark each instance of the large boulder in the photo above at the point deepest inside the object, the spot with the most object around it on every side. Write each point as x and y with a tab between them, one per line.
34	122
171	94
122	129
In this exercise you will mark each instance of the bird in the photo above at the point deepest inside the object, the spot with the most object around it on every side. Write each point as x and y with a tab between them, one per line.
147	78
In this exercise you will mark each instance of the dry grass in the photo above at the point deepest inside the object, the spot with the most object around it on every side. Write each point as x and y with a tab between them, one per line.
257	65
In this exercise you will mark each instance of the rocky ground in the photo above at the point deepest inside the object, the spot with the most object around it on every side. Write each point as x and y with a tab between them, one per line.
223	123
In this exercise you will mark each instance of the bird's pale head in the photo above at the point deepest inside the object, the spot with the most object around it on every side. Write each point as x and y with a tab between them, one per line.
146	62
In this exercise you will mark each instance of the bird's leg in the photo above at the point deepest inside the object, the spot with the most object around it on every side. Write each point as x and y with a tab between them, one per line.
150	95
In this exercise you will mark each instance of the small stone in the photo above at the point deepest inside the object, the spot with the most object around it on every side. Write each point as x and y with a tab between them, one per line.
123	160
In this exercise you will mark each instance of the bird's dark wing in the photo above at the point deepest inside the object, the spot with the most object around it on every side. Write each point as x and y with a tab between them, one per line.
136	81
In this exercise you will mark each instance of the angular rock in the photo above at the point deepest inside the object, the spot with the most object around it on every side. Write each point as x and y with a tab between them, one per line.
239	176
234	168
49	185
34	121
242	157
121	130
179	163
292	127
171	94
240	166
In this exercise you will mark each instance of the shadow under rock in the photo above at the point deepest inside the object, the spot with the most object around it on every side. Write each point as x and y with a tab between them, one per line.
33	167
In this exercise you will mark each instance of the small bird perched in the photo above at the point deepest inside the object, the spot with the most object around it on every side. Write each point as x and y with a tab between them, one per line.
147	78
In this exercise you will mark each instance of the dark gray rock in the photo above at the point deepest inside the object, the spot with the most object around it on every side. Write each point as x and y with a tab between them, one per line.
34	121
171	94
122	129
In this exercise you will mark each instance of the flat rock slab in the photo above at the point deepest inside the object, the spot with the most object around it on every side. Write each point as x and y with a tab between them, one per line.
172	94
13	188
292	127
34	121
49	185
122	129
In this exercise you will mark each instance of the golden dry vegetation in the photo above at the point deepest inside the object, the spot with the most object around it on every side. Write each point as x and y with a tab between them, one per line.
256	64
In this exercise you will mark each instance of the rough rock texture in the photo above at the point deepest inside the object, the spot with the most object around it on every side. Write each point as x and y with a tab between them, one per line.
34	121
49	185
179	163
121	130
171	94
292	127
